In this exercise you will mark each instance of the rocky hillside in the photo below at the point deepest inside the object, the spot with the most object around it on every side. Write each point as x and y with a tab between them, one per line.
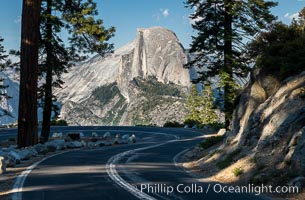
143	82
267	143
270	119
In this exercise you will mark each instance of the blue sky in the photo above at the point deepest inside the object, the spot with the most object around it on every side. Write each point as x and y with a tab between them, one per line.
128	15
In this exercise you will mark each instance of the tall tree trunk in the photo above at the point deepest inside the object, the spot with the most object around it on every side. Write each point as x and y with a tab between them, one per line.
228	64
27	118
47	108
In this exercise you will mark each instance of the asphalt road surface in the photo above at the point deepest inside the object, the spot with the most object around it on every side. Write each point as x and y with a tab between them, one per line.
145	170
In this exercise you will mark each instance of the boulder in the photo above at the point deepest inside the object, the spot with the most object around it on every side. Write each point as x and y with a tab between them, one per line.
132	139
125	137
67	139
13	147
33	152
51	147
94	139
8	149
2	165
74	136
94	134
84	143
14	156
91	144
120	141
59	144
25	154
195	126
3	153
104	143
10	163
107	135
74	144
41	149
57	135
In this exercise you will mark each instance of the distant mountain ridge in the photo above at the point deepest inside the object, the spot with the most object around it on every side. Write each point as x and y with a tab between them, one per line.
143	82
131	80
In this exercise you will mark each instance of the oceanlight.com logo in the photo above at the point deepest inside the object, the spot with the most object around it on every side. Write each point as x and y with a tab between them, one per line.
217	188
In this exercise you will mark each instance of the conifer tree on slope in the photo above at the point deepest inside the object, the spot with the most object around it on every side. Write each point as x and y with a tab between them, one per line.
86	35
222	27
193	106
3	56
3	87
207	111
201	107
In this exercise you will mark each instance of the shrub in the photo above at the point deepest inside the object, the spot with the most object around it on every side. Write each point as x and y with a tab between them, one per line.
211	141
146	125
172	124
59	122
191	122
237	171
253	160
280	51
217	125
228	160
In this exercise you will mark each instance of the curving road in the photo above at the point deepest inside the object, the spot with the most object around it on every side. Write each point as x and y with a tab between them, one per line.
145	170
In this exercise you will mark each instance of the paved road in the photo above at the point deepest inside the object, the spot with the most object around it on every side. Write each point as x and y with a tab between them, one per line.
120	172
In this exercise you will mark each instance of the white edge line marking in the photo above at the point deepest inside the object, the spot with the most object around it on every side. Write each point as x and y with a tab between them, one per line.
113	174
19	182
17	188
180	166
175	159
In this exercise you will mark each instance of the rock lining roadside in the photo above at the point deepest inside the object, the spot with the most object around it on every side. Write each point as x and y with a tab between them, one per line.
14	161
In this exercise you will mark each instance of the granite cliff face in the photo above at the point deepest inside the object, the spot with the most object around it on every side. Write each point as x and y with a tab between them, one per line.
269	121
141	83
156	53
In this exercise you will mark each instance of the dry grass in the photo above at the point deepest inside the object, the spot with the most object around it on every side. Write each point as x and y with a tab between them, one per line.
205	165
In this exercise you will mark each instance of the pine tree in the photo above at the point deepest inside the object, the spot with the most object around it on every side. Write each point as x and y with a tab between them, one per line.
301	20
193	105
27	117
54	59
3	87
87	35
3	56
223	26
207	110
201	107
279	51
